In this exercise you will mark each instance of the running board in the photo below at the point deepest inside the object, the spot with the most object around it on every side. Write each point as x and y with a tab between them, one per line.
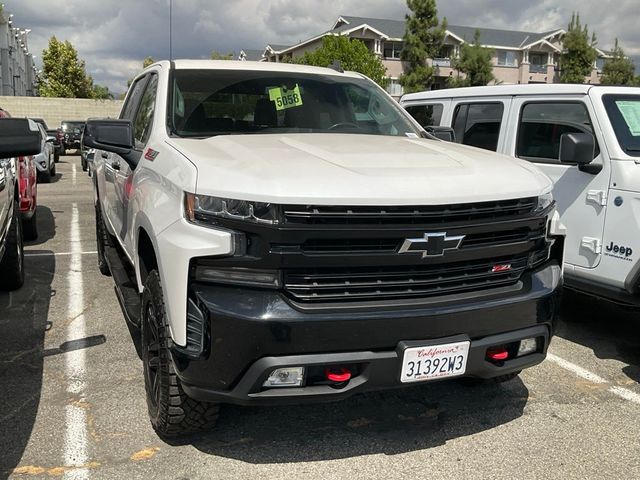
125	288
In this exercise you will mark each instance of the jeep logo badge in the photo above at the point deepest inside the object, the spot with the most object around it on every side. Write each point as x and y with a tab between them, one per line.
431	245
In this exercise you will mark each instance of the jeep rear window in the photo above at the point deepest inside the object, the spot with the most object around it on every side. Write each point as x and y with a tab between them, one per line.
223	102
624	114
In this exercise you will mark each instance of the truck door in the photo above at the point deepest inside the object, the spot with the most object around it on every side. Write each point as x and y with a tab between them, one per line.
115	168
142	125
535	128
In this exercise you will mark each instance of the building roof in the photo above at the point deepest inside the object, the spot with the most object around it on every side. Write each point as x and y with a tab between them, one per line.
488	36
251	54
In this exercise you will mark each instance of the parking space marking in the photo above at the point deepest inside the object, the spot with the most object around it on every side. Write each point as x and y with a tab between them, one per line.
73	174
621	392
58	254
75	439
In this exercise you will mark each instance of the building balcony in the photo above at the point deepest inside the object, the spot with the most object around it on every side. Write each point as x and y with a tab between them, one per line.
441	62
534	68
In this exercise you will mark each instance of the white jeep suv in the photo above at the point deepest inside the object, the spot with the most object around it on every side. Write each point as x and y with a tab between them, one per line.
284	234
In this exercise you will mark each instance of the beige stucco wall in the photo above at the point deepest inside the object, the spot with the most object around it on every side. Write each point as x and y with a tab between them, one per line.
508	75
394	68
54	110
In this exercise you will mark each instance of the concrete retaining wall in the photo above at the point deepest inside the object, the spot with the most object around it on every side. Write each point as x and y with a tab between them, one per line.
54	110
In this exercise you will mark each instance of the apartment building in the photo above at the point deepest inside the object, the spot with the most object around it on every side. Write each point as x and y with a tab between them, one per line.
518	57
18	73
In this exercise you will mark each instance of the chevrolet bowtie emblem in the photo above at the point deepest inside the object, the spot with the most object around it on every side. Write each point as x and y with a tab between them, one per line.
431	245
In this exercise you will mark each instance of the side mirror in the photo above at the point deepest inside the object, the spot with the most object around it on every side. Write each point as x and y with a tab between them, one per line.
115	136
19	137
443	133
51	139
577	148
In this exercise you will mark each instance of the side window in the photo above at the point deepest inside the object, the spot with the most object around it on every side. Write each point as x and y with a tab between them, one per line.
144	118
478	124
129	108
426	115
542	124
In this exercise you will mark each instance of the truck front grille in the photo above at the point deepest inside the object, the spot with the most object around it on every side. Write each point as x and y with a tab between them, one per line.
331	285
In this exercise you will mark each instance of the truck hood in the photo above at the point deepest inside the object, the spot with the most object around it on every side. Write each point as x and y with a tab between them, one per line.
351	169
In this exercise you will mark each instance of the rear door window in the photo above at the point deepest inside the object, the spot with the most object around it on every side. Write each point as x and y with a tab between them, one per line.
426	115
542	125
478	124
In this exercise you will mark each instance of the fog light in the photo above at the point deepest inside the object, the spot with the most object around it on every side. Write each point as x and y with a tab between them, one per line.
527	346
285	377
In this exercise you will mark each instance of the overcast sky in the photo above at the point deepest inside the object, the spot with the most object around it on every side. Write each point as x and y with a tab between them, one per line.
113	36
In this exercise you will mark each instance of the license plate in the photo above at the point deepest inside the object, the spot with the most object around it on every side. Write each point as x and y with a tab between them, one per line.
432	362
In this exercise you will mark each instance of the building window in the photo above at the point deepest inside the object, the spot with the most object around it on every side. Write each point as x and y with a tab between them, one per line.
392	49
507	58
478	124
394	88
600	64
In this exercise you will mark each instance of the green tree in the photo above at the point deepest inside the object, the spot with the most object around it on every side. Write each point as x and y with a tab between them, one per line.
618	70
352	54
101	93
148	61
423	39
215	55
475	63
63	73
579	53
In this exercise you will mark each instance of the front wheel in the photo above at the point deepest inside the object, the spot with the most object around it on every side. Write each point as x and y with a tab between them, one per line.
30	227
12	264
171	411
52	169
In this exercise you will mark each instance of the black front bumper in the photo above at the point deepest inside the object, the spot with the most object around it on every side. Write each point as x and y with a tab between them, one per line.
251	332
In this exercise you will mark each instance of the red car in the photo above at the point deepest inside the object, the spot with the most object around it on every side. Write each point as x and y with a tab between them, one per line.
25	168
28	186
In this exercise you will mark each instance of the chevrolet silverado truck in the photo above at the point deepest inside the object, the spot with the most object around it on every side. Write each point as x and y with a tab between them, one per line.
284	234
18	137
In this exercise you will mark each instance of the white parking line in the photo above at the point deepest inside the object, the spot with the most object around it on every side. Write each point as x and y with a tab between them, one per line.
73	174
592	377
75	438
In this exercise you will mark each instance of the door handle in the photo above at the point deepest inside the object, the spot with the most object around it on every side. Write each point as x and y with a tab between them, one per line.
104	155
115	165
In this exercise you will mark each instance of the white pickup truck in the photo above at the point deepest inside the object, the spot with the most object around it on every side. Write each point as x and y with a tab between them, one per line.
286	234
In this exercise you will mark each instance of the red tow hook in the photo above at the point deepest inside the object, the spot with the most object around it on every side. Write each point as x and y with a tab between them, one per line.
338	375
497	354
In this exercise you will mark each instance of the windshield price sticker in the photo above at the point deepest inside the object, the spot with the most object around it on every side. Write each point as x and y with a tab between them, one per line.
630	111
285	98
433	362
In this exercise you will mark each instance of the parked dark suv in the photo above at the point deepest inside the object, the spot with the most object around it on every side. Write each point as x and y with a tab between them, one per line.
72	130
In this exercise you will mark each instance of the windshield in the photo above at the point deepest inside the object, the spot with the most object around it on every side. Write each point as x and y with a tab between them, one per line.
624	114
218	102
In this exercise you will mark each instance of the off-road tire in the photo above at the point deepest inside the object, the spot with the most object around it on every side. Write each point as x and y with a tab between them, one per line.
171	411
56	157
12	264
52	169
30	227
102	240
44	177
83	163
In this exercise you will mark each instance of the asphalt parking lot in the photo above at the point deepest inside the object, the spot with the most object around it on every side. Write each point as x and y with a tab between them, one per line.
73	402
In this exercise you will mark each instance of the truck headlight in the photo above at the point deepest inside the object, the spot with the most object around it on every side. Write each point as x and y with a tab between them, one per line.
202	209
544	201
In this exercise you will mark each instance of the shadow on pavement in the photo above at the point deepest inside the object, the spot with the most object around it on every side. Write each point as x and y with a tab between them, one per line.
390	422
609	330
46	226
23	323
